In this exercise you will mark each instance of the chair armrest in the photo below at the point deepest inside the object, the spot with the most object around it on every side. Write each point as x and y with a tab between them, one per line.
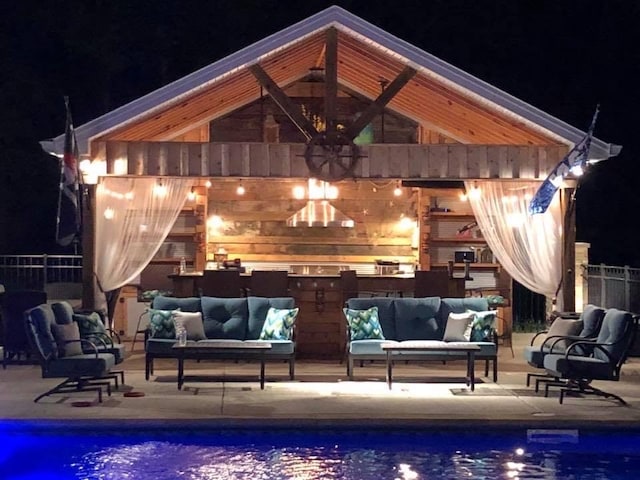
541	332
100	337
84	341
555	339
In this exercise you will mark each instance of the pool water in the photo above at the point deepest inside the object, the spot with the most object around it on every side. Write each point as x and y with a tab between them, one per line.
304	454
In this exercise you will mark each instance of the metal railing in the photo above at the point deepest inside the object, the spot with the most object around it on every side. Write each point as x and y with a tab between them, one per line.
613	287
37	271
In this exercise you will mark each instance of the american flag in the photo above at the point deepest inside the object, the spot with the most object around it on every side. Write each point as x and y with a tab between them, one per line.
68	219
576	158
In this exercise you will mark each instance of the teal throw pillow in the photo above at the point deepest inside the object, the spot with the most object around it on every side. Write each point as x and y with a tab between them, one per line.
279	323
364	324
161	323
483	325
89	324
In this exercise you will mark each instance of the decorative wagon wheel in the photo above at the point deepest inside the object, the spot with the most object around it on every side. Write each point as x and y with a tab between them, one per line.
331	157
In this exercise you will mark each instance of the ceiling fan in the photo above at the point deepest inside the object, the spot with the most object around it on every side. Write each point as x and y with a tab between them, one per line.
331	154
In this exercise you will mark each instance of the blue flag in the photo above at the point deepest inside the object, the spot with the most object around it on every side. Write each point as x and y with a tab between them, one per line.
68	220
575	159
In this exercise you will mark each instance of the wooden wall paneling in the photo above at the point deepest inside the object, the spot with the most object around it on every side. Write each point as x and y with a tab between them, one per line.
138	154
528	162
414	162
259	161
298	164
363	167
398	161
379	161
457	160
173	158
216	152
155	161
477	166
115	151
438	161
497	159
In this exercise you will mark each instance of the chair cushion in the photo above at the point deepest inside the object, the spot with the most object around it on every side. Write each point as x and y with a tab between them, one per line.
416	318
614	331
591	321
363	324
225	317
80	365
258	309
63	312
191	322
576	366
562	327
89	324
279	324
161	323
188	304
483	325
64	333
458	327
386	312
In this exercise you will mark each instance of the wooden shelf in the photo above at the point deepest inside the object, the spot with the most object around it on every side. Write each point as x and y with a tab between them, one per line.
472	265
458	240
452	215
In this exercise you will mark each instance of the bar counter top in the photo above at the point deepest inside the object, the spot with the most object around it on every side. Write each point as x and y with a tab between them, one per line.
298	275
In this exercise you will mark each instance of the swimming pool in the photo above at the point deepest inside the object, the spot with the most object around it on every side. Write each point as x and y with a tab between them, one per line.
142	453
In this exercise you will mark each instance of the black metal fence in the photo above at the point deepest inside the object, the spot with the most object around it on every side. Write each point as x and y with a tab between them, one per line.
35	272
613	287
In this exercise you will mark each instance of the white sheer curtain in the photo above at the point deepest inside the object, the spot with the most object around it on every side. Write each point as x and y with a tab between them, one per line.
528	246
133	217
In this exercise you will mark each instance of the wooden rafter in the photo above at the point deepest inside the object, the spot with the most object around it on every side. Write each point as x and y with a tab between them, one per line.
281	99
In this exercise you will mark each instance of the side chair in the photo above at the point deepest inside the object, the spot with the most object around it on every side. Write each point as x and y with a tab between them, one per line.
60	353
585	361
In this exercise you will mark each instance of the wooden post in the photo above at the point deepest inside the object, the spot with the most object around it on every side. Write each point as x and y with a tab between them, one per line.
88	247
567	203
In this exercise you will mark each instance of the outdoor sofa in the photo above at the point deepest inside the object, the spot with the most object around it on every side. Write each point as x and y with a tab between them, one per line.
215	319
430	318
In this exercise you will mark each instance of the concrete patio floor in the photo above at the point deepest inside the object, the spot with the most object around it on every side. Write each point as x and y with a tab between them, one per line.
429	394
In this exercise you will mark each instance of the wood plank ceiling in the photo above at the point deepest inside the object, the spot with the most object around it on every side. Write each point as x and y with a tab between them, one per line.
361	67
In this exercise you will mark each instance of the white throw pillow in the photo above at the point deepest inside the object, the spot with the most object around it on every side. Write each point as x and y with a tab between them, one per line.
458	327
191	322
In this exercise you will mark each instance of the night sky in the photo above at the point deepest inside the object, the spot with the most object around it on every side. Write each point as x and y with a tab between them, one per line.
562	56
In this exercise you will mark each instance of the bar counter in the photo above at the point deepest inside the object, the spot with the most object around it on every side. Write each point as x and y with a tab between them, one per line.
320	326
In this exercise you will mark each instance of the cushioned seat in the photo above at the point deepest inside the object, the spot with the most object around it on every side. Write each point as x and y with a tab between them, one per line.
585	361
60	353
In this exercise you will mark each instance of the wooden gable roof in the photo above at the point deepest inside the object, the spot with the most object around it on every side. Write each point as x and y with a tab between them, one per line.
440	97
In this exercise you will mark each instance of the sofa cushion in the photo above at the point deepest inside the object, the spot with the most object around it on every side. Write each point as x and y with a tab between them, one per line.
67	332
483	325
461	305
89	324
225	317
63	312
188	304
161	323
279	324
258	308
416	318
364	324
458	327
367	347
386	312
191	322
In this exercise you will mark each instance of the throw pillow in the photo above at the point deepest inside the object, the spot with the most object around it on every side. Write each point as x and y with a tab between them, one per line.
458	327
161	323
89	324
483	325
364	324
279	323
66	333
562	327
191	322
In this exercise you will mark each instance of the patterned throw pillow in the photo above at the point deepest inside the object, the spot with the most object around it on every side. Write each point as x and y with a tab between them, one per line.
364	324
89	324
483	325
161	324
279	323
65	333
458	327
191	322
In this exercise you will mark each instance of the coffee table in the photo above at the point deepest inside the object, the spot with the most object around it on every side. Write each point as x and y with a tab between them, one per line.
431	346
227	350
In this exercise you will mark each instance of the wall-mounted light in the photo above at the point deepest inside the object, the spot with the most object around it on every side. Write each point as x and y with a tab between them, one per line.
191	196
398	190
207	184
240	190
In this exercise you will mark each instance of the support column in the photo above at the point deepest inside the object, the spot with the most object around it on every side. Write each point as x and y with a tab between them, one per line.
567	203
88	247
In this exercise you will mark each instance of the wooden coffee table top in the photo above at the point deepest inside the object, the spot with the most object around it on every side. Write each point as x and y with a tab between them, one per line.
427	345
228	345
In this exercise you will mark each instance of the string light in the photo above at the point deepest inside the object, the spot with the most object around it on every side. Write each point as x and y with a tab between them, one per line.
191	196
207	184
398	190
240	190
159	189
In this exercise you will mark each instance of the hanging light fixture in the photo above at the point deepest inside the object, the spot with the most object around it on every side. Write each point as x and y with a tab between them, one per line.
207	184
398	190
159	189
240	190
191	196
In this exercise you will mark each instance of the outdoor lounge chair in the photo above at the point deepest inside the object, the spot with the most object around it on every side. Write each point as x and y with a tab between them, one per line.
60	355
567	327
602	359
